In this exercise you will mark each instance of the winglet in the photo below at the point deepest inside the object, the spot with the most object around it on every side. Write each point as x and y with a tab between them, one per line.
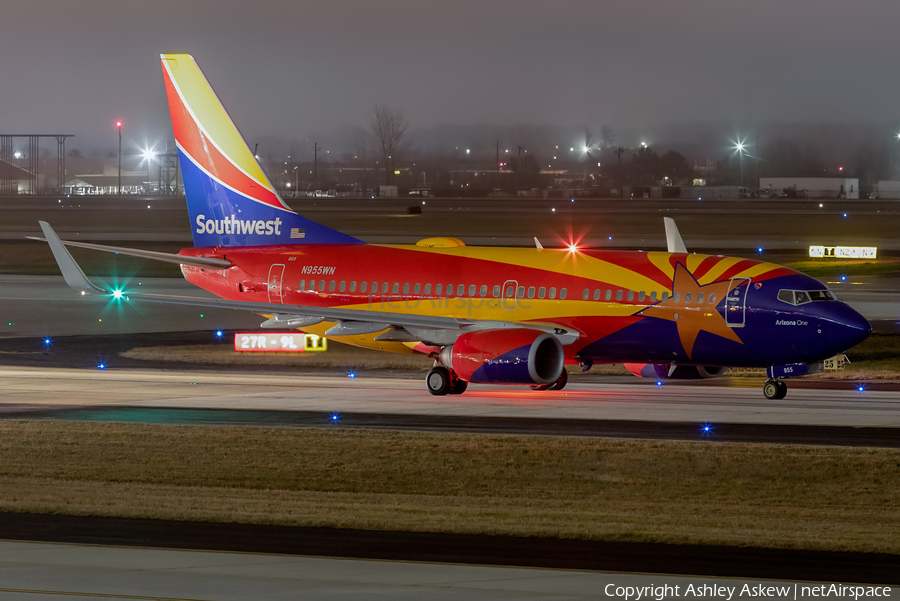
673	238
72	273
538	245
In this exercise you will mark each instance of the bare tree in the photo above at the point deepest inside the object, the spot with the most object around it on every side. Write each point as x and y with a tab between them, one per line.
389	126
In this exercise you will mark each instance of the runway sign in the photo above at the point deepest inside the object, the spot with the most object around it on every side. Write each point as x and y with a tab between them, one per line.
843	252
278	342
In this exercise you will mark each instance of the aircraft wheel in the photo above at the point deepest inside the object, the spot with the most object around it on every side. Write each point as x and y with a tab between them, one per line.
775	389
458	386
438	381
561	382
782	389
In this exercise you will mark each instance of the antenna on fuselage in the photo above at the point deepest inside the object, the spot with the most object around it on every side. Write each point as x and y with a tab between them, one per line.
673	237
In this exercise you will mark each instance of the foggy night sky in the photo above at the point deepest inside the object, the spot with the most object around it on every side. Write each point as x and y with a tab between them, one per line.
293	69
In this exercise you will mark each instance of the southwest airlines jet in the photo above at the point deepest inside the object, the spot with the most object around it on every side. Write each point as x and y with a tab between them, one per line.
512	316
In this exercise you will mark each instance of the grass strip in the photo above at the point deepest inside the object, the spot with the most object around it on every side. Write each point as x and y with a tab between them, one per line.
778	496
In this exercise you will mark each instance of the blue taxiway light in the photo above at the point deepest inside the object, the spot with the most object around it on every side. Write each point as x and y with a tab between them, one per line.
47	341
843	277
861	387
351	374
101	366
706	429
845	214
335	417
759	249
659	382
218	333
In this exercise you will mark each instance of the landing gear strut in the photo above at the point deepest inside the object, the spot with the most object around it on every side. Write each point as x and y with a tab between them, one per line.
441	381
774	389
558	385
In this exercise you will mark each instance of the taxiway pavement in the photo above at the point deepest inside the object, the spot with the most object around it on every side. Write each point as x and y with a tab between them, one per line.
740	403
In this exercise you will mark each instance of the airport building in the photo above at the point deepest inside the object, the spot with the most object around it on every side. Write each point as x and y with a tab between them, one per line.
887	189
812	187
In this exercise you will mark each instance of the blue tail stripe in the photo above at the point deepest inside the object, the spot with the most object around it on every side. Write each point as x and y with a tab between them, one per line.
222	217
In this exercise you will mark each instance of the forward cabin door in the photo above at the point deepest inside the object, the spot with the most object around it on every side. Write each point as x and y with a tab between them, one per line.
508	294
276	276
736	302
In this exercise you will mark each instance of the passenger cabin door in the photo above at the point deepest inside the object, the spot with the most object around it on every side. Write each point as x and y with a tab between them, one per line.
736	302
276	276
508	294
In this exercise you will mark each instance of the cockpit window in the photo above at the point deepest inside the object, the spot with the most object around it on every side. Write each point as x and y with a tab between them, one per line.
801	297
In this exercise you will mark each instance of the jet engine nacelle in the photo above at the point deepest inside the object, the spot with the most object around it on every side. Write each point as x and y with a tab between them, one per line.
509	356
661	371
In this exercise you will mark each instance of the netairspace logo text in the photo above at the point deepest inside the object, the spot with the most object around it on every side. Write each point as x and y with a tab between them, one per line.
747	591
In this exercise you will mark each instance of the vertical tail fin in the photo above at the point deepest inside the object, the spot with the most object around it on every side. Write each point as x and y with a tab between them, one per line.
230	200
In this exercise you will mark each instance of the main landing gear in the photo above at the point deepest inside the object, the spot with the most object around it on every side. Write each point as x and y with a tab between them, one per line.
441	381
774	389
558	385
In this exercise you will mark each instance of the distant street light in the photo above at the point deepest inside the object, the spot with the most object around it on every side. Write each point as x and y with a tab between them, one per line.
739	147
149	155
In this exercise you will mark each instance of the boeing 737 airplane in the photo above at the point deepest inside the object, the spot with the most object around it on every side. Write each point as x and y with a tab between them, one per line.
486	315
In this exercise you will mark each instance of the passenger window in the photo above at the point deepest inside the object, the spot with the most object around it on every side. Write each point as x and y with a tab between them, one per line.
687	297
471	289
597	293
520	293
699	298
630	295
417	288
562	294
553	292
321	285
584	295
301	286
496	291
343	286
510	291
653	296
384	288
618	295
460	289
405	288
608	295
331	286
712	298
362	286
676	297
531	292
438	289
482	292
427	291
665	296
641	296
396	288
449	289
353	286
312	285
542	292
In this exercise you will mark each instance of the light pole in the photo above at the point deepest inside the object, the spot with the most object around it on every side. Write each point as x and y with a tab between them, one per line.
119	127
739	147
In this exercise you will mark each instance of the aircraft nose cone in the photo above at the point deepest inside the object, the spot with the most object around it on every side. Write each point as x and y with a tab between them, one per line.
850	329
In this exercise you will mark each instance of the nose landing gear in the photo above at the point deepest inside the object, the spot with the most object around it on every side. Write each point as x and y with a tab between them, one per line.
775	389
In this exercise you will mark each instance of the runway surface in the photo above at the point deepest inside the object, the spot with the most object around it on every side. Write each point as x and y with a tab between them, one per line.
691	403
52	571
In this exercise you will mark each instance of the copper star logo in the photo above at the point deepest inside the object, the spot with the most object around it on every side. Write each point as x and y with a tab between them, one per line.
692	316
